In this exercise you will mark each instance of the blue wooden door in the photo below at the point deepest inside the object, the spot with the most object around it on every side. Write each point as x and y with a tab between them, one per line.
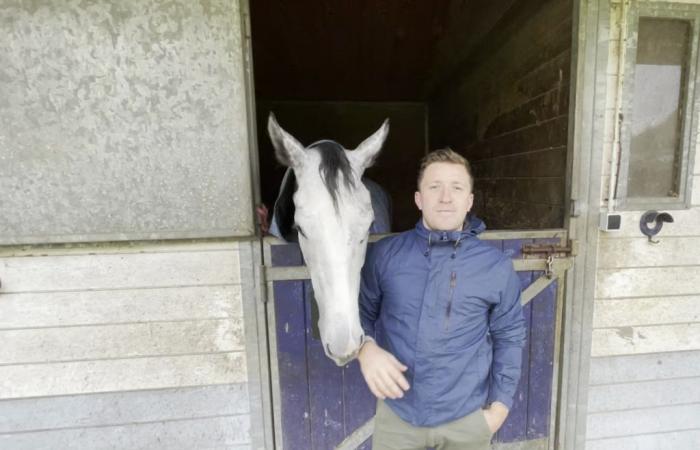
321	404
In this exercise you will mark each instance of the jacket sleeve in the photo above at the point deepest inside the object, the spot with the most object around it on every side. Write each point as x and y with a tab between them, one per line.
507	328
370	291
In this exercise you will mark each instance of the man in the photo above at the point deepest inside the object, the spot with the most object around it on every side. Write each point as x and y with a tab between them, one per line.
449	309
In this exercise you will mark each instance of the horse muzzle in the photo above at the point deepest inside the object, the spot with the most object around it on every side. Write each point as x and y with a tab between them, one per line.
341	360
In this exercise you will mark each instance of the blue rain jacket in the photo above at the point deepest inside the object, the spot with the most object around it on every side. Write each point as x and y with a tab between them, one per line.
448	306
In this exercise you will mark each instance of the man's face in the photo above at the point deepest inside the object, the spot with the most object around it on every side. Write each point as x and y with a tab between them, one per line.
444	196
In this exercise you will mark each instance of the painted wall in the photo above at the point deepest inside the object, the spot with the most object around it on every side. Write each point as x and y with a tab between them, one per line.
506	110
122	120
644	389
139	346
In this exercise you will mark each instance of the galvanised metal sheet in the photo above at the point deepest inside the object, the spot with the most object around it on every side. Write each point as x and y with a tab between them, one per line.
122	120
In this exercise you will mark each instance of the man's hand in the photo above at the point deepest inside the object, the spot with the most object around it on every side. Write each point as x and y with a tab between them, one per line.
382	371
495	415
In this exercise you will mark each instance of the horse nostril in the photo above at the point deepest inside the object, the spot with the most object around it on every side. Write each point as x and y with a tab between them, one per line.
328	350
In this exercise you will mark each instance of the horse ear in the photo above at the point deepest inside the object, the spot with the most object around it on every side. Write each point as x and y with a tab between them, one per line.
288	150
365	153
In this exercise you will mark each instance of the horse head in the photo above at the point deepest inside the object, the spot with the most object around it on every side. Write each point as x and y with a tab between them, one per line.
333	214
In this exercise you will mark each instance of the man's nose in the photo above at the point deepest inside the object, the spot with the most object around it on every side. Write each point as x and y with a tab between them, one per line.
445	196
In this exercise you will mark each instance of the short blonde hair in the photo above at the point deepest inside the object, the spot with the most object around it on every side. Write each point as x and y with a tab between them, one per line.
445	155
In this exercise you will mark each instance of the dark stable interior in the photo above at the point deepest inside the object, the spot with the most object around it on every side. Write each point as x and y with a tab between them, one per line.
488	79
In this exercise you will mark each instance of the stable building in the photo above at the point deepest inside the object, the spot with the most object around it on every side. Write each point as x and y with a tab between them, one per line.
141	306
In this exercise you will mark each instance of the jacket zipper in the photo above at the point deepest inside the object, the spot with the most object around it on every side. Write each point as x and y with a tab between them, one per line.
453	284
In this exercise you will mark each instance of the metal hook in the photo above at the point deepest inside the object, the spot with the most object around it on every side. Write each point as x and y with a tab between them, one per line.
658	219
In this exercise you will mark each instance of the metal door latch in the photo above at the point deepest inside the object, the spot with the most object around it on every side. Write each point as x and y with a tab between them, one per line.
550	251
548	266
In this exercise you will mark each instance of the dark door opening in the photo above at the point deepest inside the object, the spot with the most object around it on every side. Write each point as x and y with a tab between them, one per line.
489	80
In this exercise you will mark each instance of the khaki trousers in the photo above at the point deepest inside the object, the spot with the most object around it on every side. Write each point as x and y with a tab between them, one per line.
391	432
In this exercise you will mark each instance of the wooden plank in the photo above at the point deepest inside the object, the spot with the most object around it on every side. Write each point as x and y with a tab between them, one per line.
325	387
646	311
37	380
121	341
357	438
507	212
119	306
515	426
687	439
647	282
542	357
549	33
120	247
648	420
547	134
118	271
359	403
552	102
291	338
538	285
535	444
520	265
648	339
214	432
118	408
541	362
643	394
258	343
485	236
639	252
633	368
539	163
553	73
538	190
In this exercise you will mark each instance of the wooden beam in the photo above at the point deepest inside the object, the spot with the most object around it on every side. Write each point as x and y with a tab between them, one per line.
286	273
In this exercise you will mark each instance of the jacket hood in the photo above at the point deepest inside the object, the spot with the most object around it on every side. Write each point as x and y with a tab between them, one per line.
473	226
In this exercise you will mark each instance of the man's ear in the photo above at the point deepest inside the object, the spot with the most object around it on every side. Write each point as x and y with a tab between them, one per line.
288	150
419	200
365	153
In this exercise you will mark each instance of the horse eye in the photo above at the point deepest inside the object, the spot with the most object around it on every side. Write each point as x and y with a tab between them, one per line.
298	228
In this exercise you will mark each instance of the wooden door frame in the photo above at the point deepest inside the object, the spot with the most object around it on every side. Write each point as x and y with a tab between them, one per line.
590	45
591	19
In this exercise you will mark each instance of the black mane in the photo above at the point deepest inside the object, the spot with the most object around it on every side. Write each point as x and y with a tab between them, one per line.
334	162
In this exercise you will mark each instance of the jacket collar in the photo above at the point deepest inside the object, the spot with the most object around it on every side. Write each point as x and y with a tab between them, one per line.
473	226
